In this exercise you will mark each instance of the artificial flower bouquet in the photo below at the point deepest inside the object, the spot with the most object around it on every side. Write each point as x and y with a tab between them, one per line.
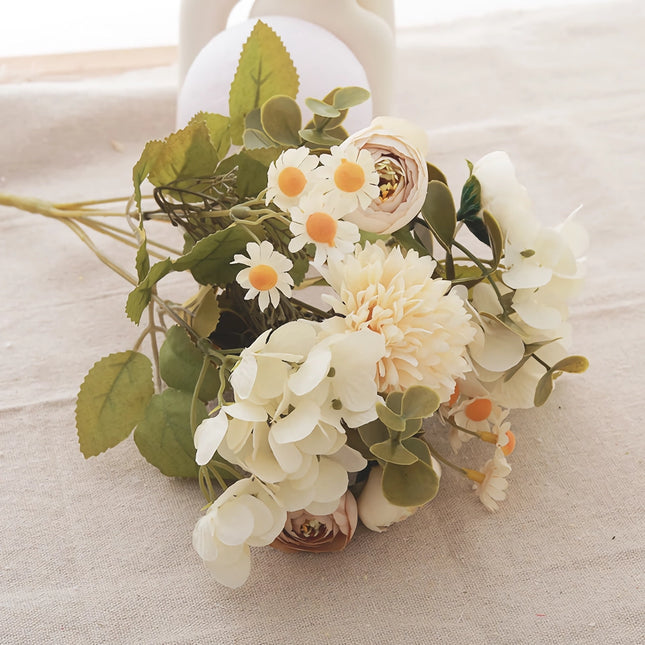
352	320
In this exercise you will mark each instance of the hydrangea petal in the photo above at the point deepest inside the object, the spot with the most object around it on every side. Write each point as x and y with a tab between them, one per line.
296	425
208	437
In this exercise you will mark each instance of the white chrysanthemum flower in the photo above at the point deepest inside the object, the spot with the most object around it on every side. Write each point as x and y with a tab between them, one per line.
491	484
290	177
267	274
316	221
349	177
425	330
246	514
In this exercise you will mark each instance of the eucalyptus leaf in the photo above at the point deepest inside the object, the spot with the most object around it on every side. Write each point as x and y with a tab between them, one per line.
180	363
330	124
164	436
393	401
253	139
572	365
439	212
265	69
543	389
411	485
412	426
319	138
419	448
322	109
112	400
373	432
389	418
419	402
348	97
281	120
393	452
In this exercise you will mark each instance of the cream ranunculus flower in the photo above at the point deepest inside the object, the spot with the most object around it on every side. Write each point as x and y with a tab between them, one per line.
374	510
398	149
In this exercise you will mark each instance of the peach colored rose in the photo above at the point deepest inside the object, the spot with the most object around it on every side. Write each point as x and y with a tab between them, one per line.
397	148
319	533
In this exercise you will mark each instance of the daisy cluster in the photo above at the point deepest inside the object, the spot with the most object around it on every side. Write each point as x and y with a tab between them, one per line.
302	392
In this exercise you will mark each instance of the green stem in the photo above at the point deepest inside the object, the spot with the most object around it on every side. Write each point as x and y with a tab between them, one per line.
443	460
198	387
486	273
541	362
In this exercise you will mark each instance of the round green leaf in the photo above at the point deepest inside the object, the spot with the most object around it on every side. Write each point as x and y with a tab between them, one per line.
419	402
164	436
112	400
281	120
393	453
347	97
543	389
572	365
439	212
321	108
373	432
319	138
411	485
180	363
391	419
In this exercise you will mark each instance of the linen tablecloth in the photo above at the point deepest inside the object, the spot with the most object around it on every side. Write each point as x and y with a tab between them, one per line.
99	551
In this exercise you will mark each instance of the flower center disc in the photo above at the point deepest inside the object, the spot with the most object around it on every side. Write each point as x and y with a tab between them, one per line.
479	409
321	228
263	277
349	176
291	181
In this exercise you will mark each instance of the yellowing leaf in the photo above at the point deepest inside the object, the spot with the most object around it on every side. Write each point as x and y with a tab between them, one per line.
112	400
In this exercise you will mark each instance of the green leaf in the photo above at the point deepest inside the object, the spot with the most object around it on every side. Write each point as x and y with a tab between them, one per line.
219	128
140	296
256	139
319	138
419	448
495	237
393	401
439	211
142	261
412	426
210	259
347	97
180	363
543	389
142	168
389	418
404	237
330	124
265	69
434	174
373	432
251	175
411	485
322	109
572	365
419	402
206	313
164	437
281	120
471	199
393	452
112	400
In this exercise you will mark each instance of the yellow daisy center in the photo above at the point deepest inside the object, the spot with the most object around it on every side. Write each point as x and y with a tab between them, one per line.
510	446
349	176
291	181
263	277
321	228
479	409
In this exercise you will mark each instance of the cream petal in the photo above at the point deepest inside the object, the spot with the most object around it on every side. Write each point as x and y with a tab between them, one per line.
232	568
244	375
246	411
208	437
538	315
311	372
204	540
351	460
501	349
288	455
332	481
526	275
322	508
234	522
296	425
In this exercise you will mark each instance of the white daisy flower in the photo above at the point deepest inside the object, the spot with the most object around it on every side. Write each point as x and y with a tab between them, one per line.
491	484
349	176
290	177
317	222
267	274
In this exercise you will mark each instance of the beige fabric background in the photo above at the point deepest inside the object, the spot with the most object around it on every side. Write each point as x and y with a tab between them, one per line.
99	551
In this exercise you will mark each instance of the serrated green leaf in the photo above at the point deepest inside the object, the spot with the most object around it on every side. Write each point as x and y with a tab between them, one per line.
264	156
319	138
210	259
112	400
373	432
439	212
467	275
142	168
321	108
140	296
412	485
281	120
392	420
164	437
348	97
251	175
470	205
142	261
265	69
572	365
543	389
206	313
419	402
495	238
219	128
393	452
180	363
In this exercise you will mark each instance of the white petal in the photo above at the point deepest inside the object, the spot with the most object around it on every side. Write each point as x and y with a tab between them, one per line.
311	372
296	425
501	348
322	508
351	460
234	522
526	275
244	376
232	568
208	437
332	481
246	411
